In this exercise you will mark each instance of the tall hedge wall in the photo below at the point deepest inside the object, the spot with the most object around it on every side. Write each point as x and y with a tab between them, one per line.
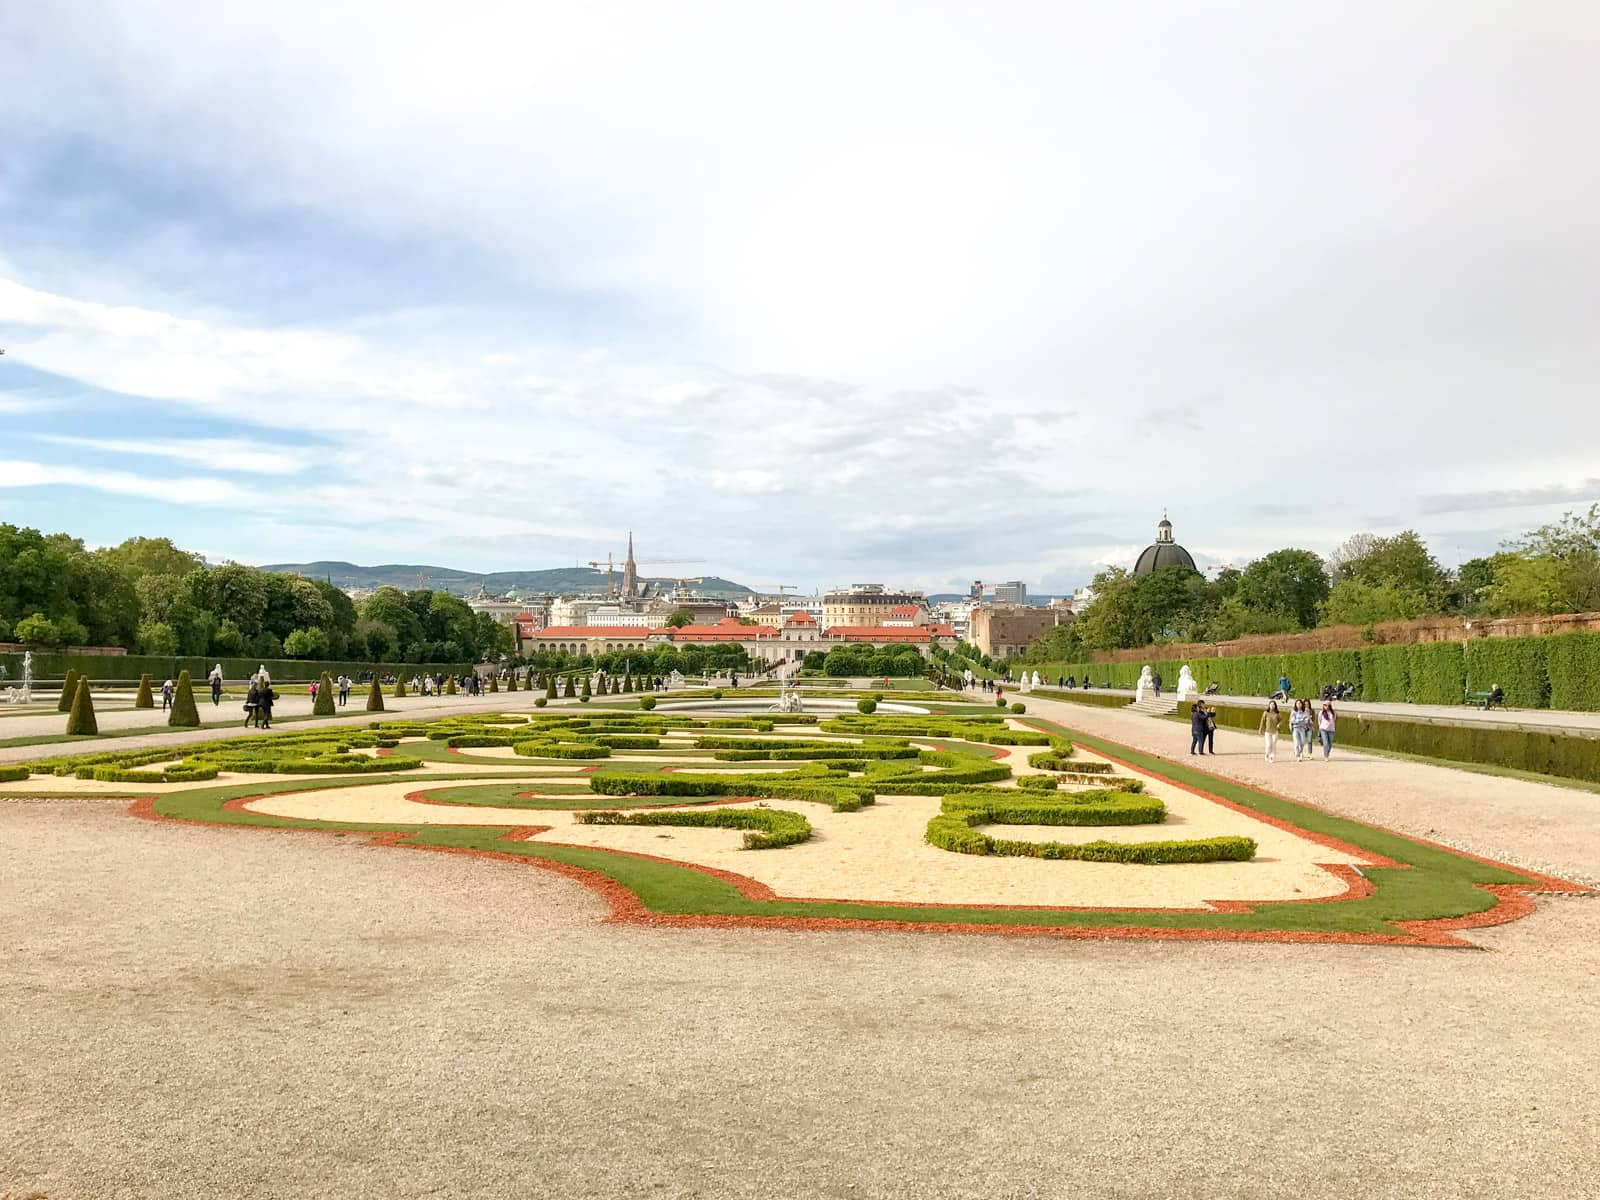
1561	671
1516	664
128	667
1572	663
1565	755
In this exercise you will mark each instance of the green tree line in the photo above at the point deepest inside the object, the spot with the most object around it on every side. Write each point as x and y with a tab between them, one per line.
1367	579
150	597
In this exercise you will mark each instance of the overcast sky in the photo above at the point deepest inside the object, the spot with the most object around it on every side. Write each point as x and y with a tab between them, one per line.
910	292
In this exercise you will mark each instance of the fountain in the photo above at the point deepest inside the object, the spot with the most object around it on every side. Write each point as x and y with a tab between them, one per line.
789	700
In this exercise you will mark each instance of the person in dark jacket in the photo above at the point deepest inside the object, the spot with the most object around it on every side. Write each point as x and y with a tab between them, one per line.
264	698
1197	729
252	700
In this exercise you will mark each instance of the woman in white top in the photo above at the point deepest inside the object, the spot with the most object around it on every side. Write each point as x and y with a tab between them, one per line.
1300	727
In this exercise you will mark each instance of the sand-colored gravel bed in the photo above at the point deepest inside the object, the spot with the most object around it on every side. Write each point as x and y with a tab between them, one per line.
880	854
234	1014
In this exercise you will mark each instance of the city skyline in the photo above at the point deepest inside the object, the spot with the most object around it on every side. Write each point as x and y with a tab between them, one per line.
481	295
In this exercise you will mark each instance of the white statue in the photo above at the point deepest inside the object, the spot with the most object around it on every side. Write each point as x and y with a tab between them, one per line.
1187	689
1036	680
27	677
261	673
1146	682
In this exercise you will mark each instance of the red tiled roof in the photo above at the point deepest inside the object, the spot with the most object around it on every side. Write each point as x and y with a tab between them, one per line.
728	629
577	632
880	633
800	618
903	610
941	630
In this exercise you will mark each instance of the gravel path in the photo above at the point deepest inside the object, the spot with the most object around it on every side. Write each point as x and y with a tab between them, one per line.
200	1012
1535	825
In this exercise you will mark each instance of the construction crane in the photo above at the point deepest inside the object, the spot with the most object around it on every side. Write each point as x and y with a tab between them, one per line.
683	592
781	587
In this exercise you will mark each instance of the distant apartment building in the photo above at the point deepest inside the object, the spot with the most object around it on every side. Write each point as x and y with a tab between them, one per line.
1013	591
615	615
866	604
999	630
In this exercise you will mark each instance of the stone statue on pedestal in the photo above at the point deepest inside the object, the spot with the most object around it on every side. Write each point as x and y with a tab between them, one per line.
1187	688
1146	683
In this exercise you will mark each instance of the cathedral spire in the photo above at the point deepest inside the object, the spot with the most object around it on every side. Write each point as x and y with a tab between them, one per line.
630	574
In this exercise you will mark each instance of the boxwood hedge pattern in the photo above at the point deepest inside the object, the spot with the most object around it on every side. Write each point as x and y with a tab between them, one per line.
1428	883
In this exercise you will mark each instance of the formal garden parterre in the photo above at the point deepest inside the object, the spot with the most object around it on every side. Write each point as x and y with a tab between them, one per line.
953	819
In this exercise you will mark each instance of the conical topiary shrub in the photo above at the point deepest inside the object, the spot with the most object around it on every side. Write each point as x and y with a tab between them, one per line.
586	693
494	681
144	699
450	686
566	687
183	713
550	688
69	691
81	718
374	696
399	688
324	705
511	682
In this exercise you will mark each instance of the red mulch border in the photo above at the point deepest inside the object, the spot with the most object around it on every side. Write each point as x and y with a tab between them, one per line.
1513	901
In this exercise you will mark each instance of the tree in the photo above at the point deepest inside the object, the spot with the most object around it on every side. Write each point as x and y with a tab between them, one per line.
141	557
306	643
374	695
1291	582
1358	602
81	719
37	632
144	698
679	618
157	639
1400	563
1555	568
324	706
184	714
1108	622
1061	644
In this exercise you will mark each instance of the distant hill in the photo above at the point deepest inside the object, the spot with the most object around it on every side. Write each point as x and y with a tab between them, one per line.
556	581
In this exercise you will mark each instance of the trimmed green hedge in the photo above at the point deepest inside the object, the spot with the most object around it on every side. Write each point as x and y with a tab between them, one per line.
1572	664
13	774
765	828
1566	755
955	829
190	774
838	798
1559	671
1516	664
126	668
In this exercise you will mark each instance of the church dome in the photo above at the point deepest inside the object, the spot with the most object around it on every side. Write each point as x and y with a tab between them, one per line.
1163	552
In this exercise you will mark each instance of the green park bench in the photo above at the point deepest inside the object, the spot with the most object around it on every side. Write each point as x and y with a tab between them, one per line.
1479	700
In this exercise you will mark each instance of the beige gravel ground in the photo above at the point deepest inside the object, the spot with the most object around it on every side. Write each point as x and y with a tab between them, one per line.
197	1012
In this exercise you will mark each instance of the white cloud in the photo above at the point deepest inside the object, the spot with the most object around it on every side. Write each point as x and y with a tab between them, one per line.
940	292
222	454
177	490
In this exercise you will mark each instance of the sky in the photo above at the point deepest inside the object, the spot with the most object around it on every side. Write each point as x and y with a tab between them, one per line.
916	293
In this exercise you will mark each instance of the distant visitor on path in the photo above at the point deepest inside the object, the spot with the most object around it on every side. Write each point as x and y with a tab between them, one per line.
1497	695
166	695
1197	728
1325	722
216	685
1283	687
1269	731
252	699
1300	727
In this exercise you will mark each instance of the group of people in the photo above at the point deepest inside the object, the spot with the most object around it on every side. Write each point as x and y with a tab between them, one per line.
1307	726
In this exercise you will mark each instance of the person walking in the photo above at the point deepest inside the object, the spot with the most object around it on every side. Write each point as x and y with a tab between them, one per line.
1156	679
1300	727
344	690
252	698
166	695
1326	720
264	699
1269	731
1197	728
216	685
1283	687
1211	730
